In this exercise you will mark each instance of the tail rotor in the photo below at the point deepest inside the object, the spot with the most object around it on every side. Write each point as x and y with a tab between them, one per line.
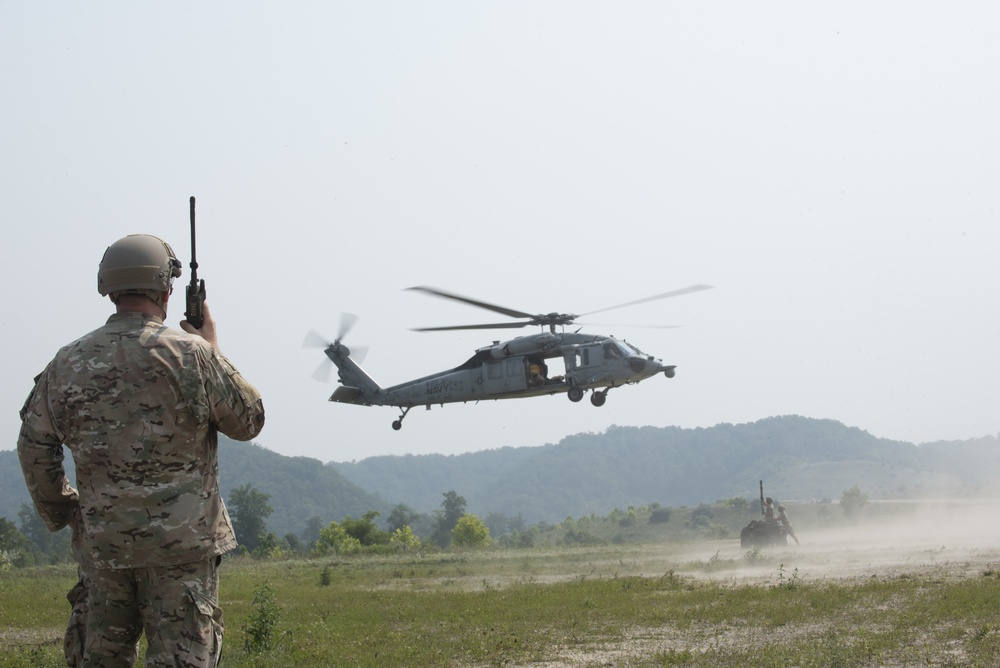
347	322
314	339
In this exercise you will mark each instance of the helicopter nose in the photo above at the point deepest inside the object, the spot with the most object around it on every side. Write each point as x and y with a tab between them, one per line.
636	364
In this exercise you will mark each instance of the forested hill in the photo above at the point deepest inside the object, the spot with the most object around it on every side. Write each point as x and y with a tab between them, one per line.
299	487
798	458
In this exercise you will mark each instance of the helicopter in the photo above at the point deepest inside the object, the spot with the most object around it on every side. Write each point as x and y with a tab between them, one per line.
514	369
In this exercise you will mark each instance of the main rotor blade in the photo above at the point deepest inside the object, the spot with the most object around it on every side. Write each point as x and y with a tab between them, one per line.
473	302
619	324
501	325
665	295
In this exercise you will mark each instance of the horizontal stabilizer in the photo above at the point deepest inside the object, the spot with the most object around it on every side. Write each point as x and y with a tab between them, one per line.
346	395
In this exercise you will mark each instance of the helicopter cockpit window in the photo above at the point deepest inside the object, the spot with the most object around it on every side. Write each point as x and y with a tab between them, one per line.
612	351
631	350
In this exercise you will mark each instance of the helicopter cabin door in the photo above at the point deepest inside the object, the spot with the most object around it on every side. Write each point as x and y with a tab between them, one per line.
589	356
508	375
581	362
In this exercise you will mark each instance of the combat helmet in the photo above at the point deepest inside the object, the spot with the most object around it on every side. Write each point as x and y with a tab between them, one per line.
138	263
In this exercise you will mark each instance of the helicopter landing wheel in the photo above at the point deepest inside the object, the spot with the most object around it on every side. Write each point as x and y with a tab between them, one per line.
398	424
575	394
598	398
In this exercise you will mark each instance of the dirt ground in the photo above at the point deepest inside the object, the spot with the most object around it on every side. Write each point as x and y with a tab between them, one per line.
947	539
959	537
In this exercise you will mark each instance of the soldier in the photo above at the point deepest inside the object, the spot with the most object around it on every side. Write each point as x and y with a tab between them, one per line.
140	406
783	518
768	509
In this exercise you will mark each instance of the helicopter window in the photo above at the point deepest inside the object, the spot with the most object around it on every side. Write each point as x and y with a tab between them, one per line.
612	351
515	367
474	362
494	370
585	357
630	349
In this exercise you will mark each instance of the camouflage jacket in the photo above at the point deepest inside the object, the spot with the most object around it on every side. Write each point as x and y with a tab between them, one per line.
139	405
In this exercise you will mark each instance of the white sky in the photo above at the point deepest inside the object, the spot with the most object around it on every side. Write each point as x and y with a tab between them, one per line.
832	169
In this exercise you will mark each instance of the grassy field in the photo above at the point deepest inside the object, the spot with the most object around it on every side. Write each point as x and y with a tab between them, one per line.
707	603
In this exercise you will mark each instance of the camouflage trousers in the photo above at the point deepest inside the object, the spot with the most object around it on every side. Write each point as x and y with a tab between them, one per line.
176	606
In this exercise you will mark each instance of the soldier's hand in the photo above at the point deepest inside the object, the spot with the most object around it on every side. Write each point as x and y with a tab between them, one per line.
207	330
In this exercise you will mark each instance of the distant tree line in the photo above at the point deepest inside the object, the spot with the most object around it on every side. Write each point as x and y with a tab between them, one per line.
450	525
31	543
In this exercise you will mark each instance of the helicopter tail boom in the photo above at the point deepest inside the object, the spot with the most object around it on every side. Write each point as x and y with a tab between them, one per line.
357	386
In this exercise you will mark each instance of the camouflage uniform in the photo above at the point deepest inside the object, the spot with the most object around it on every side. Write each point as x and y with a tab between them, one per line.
140	406
768	510
783	519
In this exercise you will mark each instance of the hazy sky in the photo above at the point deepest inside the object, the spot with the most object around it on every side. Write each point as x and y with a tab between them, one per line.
832	169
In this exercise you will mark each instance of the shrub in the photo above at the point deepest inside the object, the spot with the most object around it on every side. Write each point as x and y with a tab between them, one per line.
470	532
659	516
405	538
629	519
263	620
574	537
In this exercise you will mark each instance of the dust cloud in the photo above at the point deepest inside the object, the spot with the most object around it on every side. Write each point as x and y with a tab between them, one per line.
949	537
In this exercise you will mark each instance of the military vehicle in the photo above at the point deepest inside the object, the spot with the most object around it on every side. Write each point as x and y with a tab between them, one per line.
763	533
767	531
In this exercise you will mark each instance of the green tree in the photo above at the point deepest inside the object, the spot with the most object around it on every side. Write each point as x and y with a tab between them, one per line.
400	516
15	548
336	540
311	532
469	531
702	516
736	503
364	530
53	545
269	546
453	507
660	516
498	523
405	538
852	501
250	510
518	538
